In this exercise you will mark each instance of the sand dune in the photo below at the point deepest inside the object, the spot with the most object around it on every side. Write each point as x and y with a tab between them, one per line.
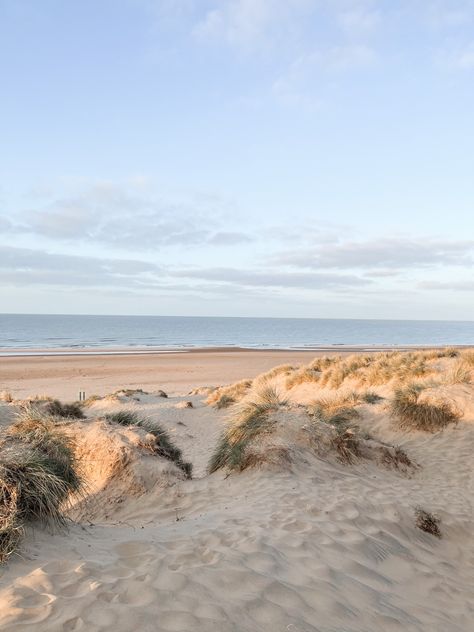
311	543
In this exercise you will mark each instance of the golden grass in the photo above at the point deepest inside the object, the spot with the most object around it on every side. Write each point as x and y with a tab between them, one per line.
428	414
164	447
281	369
250	420
225	396
339	413
468	357
366	369
6	396
301	376
460	373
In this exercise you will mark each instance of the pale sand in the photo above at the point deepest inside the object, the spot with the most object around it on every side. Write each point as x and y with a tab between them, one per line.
324	547
65	376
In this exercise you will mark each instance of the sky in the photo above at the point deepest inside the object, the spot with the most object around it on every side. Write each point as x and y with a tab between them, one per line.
293	158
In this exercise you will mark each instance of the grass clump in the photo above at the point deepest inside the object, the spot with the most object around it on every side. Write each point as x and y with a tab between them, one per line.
281	369
339	413
429	415
371	397
11	529
38	472
123	418
28	482
427	522
225	396
48	440
6	397
302	376
460	374
68	411
468	357
164	447
250	421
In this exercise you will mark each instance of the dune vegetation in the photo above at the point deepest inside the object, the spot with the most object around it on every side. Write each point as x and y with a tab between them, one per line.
38	473
407	388
324	409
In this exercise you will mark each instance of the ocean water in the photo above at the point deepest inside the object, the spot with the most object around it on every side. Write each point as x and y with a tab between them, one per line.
176	332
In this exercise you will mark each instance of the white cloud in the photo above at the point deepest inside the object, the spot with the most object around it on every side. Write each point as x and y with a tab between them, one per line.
122	216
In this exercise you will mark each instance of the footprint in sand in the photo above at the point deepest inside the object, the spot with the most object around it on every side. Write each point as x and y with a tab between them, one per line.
74	624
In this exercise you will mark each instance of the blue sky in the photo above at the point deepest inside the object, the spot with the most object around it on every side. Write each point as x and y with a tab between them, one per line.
305	158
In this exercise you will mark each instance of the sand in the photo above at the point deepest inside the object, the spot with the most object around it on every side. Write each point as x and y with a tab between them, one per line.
65	376
322	546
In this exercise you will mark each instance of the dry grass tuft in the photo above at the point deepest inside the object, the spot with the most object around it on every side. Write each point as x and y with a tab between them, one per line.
47	439
429	415
335	411
38	472
68	411
370	369
123	418
281	369
324	362
39	493
249	421
371	397
395	457
468	357
6	396
225	396
427	522
11	530
459	374
164	447
339	413
302	376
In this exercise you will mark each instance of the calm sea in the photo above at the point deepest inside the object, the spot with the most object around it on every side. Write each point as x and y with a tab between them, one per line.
47	331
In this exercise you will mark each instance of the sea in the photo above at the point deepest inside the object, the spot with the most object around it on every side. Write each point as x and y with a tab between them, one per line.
30	332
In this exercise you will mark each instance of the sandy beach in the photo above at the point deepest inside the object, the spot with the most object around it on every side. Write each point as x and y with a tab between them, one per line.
63	376
311	526
63	373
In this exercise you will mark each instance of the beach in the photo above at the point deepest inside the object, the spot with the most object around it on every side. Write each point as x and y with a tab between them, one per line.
338	510
64	375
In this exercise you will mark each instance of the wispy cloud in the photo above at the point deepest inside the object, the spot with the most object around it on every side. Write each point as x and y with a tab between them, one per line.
455	286
256	278
27	266
382	253
121	216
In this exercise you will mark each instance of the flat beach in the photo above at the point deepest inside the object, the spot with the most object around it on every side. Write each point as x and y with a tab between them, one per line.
63	373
